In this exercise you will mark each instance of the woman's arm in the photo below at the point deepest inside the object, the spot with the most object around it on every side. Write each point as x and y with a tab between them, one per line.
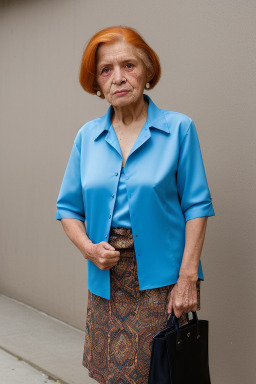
183	296
75	230
194	239
103	254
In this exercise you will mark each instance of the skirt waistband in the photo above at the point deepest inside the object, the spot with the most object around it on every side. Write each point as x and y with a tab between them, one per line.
121	231
121	238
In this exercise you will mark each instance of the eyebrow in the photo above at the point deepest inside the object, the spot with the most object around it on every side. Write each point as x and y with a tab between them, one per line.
122	61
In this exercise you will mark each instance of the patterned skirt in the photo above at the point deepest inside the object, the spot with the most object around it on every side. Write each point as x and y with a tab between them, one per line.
119	331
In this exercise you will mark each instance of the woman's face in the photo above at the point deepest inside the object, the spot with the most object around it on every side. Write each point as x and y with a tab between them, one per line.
120	68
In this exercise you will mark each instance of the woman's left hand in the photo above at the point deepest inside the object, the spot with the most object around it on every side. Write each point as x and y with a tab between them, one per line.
183	296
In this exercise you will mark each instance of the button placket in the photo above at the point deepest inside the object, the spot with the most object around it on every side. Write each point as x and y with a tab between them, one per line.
113	196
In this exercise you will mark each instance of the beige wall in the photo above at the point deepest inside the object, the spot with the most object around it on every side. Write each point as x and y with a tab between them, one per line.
207	51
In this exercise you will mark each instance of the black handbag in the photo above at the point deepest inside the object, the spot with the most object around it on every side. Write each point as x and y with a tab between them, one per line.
179	355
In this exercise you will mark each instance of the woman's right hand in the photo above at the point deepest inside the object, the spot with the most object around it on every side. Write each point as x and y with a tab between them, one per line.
103	255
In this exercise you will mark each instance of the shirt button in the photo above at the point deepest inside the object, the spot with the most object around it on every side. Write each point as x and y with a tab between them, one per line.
127	177
106	235
136	235
138	254
113	196
109	216
116	173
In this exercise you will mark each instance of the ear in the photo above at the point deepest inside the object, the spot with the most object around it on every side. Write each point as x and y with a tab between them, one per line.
97	88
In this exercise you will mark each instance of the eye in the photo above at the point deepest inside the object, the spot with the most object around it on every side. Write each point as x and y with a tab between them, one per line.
129	65
105	70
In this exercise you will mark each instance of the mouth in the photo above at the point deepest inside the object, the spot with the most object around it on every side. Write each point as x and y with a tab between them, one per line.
121	92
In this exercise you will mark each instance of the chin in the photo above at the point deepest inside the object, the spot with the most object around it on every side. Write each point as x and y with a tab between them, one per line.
122	101
125	100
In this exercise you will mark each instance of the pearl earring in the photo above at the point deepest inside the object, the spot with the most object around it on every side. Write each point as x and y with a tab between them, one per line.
99	93
147	85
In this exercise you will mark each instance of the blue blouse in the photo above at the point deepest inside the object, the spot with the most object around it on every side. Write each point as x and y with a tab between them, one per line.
166	186
121	214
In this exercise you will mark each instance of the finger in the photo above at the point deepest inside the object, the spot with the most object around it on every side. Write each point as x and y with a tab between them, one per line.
189	299
194	301
195	306
112	252
108	246
177	307
169	306
177	312
172	297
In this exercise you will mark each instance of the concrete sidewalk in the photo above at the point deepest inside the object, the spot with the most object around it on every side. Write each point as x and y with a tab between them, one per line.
16	371
37	348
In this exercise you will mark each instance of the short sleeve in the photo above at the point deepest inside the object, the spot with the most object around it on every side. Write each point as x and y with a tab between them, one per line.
70	202
193	190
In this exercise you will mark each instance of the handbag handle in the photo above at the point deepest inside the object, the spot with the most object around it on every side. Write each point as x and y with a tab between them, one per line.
173	321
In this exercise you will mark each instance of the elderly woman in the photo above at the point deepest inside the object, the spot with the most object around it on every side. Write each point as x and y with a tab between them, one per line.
136	177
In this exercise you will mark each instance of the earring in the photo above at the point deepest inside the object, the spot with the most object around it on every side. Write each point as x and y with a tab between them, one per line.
147	85
99	93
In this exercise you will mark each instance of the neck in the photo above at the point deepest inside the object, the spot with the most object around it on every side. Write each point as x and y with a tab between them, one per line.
131	113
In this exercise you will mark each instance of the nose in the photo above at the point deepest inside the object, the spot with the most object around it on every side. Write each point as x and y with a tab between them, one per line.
117	75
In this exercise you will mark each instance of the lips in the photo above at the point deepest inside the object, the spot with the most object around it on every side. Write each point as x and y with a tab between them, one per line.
121	91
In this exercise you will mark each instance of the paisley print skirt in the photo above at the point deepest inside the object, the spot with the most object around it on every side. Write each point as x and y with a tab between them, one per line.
119	331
